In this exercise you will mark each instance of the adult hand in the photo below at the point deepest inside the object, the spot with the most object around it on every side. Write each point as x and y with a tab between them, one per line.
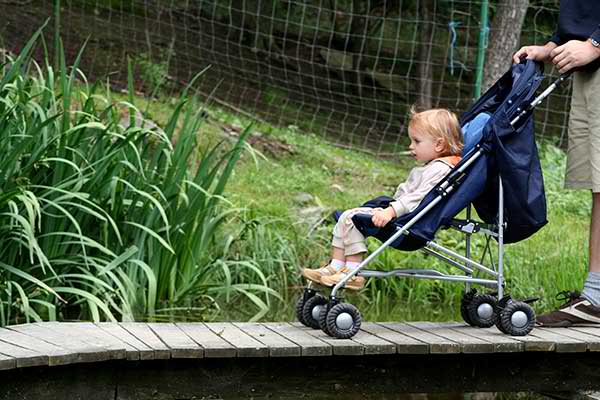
573	54
381	217
536	53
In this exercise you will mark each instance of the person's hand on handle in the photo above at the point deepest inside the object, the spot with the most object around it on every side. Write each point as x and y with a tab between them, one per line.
536	53
573	54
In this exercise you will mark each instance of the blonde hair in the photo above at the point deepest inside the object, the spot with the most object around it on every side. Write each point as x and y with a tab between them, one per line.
439	123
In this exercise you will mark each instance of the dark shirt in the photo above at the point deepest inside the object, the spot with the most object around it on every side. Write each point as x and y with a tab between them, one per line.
578	20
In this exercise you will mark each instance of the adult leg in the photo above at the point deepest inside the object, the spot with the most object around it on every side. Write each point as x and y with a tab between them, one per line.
583	172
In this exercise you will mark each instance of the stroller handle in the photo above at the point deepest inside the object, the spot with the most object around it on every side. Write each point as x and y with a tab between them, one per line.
541	97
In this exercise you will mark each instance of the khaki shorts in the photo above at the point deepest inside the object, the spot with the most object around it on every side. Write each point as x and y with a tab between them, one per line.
583	157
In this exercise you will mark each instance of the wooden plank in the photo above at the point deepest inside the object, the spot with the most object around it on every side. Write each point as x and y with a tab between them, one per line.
437	344
7	362
404	344
563	344
82	331
373	344
214	346
141	352
536	343
468	343
278	345
341	347
502	342
246	346
591	331
56	355
309	345
85	351
23	357
592	341
181	345
144	334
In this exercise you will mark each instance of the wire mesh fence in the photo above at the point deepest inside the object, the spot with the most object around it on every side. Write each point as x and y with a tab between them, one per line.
345	69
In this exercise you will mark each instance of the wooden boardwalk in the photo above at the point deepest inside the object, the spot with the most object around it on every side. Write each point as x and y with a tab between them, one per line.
53	343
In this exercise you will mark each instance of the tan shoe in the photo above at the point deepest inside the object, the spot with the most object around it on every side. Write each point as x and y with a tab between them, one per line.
354	283
316	274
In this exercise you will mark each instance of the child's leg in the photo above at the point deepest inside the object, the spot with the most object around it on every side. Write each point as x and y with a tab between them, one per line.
336	264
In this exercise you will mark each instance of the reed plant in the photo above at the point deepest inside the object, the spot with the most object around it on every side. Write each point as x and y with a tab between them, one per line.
105	218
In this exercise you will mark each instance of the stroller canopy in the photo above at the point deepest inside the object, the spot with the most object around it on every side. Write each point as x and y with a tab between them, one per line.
510	153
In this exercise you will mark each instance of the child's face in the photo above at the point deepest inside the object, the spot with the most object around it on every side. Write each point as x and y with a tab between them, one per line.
423	146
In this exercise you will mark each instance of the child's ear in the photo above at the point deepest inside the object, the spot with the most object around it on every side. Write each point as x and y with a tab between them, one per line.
440	145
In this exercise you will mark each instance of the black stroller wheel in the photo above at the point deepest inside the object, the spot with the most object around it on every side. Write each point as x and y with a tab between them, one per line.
323	319
466	299
501	306
299	308
517	319
483	310
343	321
306	295
312	310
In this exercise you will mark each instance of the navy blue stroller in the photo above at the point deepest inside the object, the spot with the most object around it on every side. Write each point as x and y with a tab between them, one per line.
500	176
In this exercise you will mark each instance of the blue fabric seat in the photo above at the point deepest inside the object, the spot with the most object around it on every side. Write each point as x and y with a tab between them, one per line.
509	152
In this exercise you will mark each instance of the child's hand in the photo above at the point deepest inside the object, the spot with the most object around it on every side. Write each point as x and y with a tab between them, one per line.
381	217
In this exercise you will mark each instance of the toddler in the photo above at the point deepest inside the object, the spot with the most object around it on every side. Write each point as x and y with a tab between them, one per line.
436	141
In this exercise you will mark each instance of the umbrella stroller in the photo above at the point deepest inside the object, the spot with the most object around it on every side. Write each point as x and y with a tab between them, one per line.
500	176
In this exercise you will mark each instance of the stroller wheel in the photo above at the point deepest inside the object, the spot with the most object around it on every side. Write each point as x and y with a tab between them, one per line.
517	319
323	318
306	295
501	306
312	310
464	305
343	321
483	310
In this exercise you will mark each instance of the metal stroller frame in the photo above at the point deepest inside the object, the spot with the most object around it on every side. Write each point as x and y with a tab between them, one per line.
342	320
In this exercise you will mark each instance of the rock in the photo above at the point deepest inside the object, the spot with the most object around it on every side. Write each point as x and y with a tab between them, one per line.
310	215
304	198
337	188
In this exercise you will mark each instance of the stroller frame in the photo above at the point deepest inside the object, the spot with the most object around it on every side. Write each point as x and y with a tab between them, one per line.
512	317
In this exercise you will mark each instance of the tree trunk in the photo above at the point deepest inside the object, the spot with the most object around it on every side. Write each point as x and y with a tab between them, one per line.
424	69
504	39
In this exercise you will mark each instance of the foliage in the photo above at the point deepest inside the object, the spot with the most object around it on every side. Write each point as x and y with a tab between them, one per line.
102	217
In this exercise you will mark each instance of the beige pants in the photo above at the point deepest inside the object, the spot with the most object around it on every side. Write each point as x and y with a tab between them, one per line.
583	157
346	236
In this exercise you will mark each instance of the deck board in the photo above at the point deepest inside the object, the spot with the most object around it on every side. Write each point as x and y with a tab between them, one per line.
63	343
85	352
404	344
341	347
56	355
144	334
213	345
278	345
180	344
246	345
468	343
309	345
134	348
437	344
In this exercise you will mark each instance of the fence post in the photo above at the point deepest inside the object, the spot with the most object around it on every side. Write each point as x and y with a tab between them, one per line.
483	38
